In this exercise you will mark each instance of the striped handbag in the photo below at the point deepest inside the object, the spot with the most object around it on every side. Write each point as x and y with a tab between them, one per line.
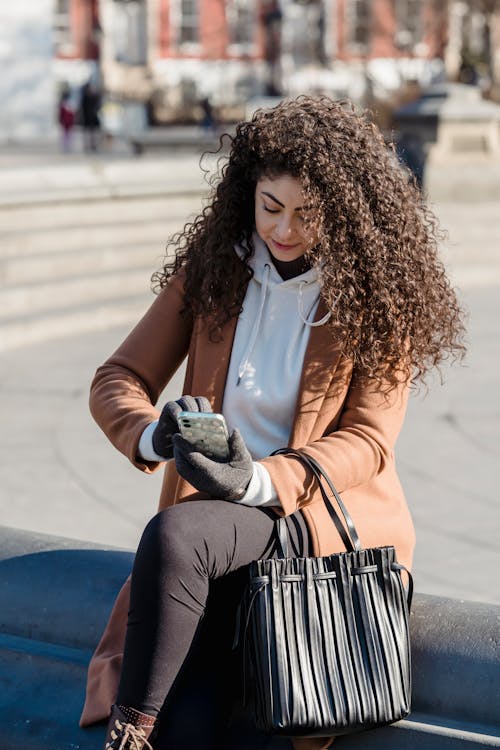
325	639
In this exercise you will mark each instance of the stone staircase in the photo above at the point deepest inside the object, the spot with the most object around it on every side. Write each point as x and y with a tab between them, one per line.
68	268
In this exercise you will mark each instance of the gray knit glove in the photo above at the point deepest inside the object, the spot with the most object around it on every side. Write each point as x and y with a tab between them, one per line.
167	424
227	480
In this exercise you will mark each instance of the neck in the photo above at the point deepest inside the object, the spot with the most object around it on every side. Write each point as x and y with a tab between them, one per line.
288	269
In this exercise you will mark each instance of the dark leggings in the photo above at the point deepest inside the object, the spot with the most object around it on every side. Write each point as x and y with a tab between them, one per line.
188	576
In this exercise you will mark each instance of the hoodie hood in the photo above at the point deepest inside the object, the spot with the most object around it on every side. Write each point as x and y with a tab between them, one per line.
304	287
261	257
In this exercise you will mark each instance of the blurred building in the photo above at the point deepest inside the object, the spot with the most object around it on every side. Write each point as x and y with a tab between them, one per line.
76	40
473	48
172	53
156	59
159	58
27	93
362	49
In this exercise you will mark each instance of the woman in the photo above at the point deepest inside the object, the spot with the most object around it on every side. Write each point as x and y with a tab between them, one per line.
308	297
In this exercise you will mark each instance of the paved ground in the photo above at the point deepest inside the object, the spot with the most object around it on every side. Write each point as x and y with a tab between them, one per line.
59	475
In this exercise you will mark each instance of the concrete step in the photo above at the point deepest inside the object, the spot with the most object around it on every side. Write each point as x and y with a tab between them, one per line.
78	238
98	179
18	219
74	320
68	268
38	297
20	272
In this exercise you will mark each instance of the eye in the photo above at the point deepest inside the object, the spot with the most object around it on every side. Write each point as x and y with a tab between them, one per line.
270	210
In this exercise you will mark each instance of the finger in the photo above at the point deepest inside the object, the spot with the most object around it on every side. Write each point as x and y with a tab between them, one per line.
173	410
204	404
188	403
167	420
237	446
182	465
182	451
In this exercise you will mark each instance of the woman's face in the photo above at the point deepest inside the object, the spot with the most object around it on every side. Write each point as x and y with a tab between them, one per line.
279	217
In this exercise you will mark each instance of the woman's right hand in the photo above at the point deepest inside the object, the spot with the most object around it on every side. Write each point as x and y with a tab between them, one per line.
167	424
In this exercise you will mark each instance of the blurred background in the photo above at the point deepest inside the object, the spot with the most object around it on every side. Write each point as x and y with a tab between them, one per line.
105	109
158	62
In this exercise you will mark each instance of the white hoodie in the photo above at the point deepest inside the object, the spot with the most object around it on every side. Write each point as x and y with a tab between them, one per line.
266	364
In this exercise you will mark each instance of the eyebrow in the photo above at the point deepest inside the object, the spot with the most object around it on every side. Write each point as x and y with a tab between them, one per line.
273	198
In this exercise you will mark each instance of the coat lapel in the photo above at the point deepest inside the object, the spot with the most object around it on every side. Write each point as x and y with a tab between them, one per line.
320	362
212	362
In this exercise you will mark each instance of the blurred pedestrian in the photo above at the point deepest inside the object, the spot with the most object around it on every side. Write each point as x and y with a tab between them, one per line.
90	104
410	149
208	122
307	298
66	118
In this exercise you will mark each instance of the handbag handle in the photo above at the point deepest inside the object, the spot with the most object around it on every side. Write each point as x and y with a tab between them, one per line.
349	536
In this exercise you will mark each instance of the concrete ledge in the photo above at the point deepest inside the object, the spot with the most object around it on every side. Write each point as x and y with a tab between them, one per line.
55	590
98	179
56	595
172	138
463	182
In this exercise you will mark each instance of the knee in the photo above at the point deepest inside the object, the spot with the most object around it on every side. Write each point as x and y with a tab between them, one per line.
174	537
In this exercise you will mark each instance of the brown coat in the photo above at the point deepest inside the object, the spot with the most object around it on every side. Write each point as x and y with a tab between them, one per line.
349	428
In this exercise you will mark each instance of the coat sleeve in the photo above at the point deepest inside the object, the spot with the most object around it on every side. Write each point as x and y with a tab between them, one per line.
126	387
356	451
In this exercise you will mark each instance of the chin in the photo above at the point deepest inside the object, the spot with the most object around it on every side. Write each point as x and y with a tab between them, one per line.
293	254
285	256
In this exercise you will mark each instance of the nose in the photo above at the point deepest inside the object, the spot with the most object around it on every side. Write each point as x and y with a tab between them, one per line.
284	228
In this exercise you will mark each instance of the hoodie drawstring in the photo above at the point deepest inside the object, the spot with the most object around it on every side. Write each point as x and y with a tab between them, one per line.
255	331
300	306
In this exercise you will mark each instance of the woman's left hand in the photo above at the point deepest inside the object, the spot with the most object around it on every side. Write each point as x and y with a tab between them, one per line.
227	480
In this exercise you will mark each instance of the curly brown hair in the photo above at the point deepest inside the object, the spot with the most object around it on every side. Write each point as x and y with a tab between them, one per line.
381	276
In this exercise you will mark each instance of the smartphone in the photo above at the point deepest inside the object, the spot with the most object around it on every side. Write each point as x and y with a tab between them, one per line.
207	432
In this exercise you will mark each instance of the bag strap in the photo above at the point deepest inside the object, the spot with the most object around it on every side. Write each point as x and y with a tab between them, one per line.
349	536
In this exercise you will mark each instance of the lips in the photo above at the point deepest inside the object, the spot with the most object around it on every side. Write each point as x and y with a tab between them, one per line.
280	246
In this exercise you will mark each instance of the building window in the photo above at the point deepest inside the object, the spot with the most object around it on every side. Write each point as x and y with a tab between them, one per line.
409	23
63	41
242	22
306	32
189	22
130	32
359	22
